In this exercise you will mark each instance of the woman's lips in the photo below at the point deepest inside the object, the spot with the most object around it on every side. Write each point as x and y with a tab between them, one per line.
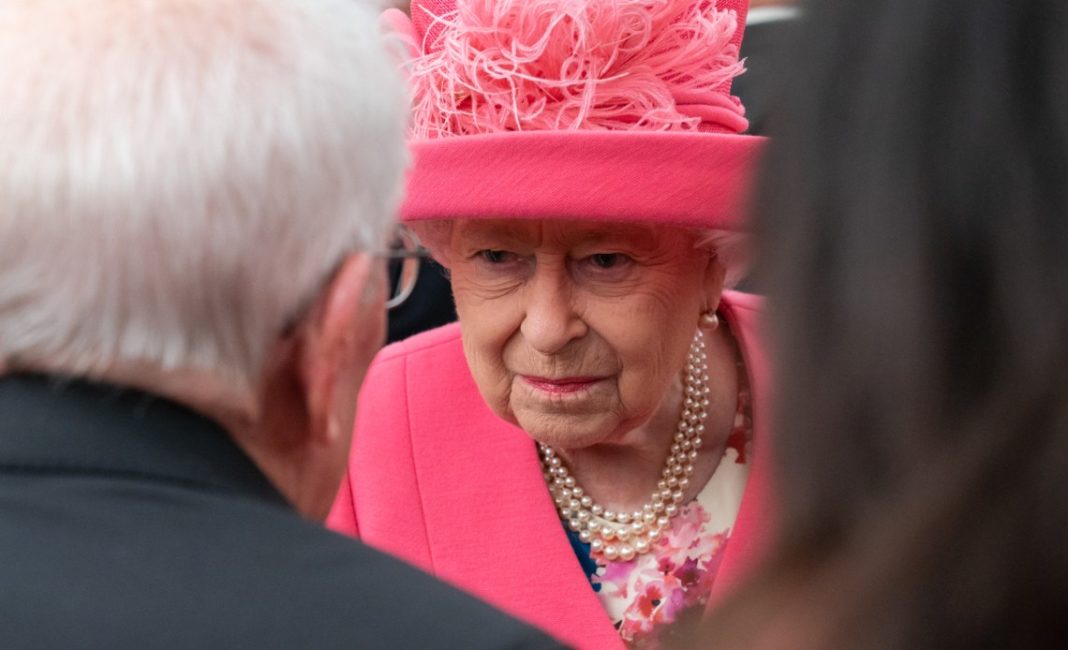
561	385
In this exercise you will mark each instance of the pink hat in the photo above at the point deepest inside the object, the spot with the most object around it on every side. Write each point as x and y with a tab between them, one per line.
604	110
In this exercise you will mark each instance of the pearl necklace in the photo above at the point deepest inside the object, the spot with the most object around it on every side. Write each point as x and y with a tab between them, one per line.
622	535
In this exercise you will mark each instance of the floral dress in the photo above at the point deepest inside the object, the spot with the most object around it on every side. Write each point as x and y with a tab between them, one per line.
663	592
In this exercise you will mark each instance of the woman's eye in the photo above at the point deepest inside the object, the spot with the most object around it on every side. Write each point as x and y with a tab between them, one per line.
606	267
607	260
496	256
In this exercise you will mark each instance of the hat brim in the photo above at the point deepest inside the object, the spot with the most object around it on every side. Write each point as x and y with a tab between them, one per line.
699	180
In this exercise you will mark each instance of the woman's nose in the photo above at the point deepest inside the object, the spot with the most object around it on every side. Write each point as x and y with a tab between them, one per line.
551	320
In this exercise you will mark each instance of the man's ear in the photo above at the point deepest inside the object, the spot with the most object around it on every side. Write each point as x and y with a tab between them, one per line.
342	336
309	385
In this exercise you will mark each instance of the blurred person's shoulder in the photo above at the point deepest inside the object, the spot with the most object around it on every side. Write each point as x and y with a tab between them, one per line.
135	561
127	520
357	596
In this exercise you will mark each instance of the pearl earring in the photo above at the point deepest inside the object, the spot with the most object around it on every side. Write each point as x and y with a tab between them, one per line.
709	321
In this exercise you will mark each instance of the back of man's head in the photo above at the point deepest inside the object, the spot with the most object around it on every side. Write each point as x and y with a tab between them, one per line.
185	189
177	177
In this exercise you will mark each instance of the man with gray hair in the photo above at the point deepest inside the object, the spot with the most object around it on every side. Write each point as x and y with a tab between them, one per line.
191	196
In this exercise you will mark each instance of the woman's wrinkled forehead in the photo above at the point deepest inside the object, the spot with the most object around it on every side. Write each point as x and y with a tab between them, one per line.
548	233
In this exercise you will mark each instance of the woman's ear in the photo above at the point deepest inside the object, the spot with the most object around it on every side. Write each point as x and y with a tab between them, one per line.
714	276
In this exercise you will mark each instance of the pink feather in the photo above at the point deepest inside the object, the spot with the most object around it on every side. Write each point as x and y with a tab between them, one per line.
515	65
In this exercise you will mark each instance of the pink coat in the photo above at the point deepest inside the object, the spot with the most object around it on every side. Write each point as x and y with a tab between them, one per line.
439	480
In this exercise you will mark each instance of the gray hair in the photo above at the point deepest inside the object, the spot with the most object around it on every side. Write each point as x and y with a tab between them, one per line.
178	176
732	249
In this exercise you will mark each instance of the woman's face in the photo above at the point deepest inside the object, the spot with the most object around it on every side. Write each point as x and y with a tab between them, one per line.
577	331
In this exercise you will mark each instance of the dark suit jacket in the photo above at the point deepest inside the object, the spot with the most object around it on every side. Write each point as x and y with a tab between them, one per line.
128	521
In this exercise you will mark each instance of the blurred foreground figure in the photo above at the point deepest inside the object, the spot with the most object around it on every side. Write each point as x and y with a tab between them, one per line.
917	241
190	197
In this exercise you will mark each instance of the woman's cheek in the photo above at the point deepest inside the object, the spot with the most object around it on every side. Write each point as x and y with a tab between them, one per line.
650	367
486	361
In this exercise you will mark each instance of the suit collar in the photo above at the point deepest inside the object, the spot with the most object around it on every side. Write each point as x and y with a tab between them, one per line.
753	525
508	543
50	424
491	525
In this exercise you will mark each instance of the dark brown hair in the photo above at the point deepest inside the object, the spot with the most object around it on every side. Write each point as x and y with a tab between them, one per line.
914	221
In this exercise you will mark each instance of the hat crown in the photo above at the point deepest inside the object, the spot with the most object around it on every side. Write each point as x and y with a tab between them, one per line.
424	11
484	66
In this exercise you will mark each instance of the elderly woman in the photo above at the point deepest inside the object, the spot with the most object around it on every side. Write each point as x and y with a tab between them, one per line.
577	449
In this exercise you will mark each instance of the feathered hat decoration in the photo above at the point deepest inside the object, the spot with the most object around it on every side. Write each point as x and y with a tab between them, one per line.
549	97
